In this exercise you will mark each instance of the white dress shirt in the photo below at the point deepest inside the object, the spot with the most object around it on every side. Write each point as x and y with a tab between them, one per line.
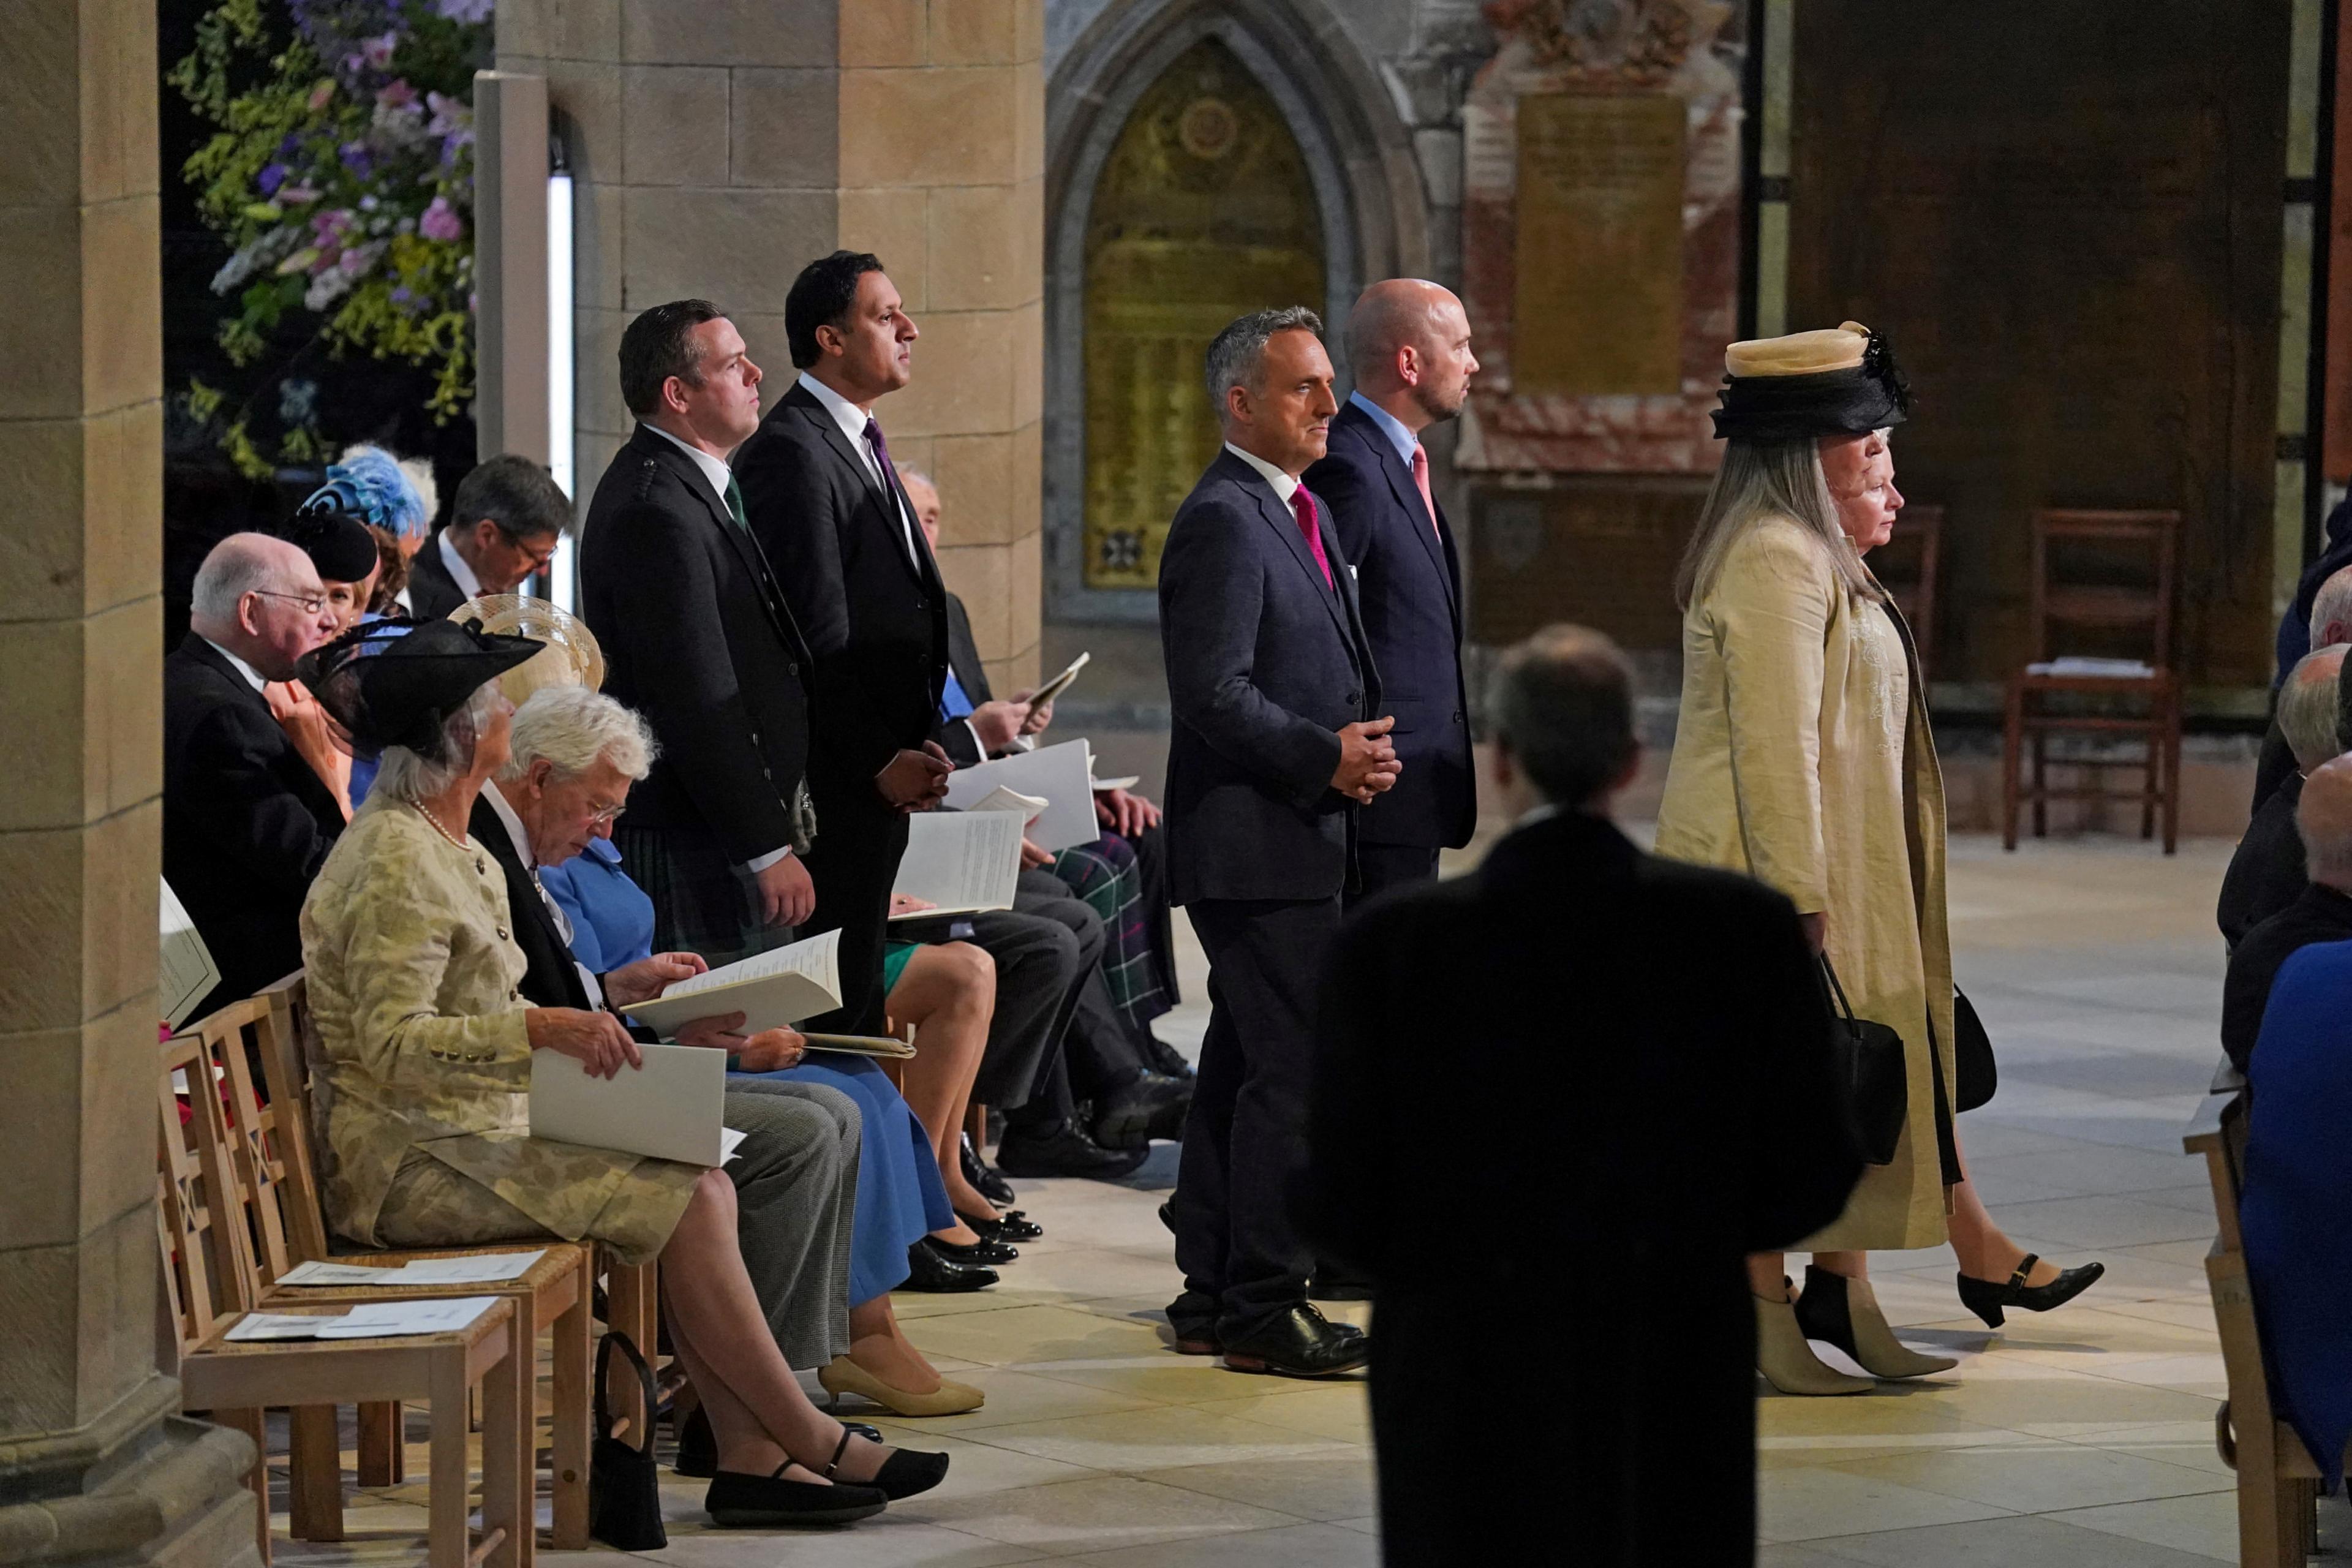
251	675
852	420
521	837
1285	485
459	572
720	476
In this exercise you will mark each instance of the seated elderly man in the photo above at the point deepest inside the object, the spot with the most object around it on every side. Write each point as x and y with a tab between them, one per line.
2266	873
428	1043
2329	623
822	1226
248	816
2321	912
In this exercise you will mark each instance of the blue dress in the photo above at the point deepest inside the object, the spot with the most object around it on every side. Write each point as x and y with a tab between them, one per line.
900	1198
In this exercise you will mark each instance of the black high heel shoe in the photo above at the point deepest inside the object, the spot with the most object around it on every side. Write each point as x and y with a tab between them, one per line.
1013	1225
1988	1299
984	1253
902	1475
698	1444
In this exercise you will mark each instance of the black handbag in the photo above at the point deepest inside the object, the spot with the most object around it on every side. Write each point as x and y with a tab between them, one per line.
1877	1081
1972	1065
623	1490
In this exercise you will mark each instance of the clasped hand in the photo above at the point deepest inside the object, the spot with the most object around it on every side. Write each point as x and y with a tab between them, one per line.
1367	759
916	780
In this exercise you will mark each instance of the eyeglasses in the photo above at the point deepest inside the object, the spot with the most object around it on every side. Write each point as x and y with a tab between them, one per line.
537	558
312	604
604	816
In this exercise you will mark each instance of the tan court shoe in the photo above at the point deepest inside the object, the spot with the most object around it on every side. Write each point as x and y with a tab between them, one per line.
842	1375
1787	1361
1845	1313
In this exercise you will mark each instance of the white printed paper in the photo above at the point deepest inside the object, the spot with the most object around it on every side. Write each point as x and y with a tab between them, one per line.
484	1268
668	1109
731	1144
377	1321
186	973
1063	775
772	990
960	862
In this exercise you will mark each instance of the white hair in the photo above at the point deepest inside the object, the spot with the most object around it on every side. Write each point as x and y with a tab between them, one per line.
403	775
910	475
2306	706
572	729
240	564
2332	603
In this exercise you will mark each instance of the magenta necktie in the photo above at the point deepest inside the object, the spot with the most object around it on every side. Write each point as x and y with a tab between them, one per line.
1302	507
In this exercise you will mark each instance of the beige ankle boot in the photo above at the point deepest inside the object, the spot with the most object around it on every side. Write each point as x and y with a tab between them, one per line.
1787	1361
1845	1313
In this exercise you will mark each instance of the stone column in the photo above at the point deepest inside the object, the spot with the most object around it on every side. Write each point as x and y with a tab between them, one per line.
718	145
93	1464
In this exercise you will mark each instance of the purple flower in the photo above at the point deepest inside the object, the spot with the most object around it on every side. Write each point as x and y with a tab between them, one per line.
270	178
357	158
470	12
397	95
377	52
439	222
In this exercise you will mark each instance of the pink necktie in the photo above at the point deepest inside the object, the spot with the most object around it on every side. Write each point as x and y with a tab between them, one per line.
1302	507
1421	480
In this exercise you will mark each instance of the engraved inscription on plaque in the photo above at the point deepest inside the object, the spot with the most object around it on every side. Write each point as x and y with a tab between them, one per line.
1599	305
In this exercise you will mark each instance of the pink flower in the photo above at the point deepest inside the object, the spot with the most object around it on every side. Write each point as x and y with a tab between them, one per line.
377	52
439	222
398	95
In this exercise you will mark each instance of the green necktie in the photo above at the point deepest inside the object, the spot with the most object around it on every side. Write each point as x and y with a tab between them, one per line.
735	504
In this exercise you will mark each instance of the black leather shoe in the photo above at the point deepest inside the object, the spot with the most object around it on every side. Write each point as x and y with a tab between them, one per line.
1161	1057
1140	1110
1192	1323
990	1183
1987	1299
1013	1225
933	1272
740	1501
1065	1151
902	1475
984	1253
1300	1343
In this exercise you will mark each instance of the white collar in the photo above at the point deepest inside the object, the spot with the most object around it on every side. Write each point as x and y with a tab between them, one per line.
459	572
1284	484
251	675
713	469
511	821
845	414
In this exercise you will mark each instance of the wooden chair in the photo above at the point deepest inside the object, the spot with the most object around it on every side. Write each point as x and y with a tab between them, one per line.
2139	614
213	1279
1907	566
2278	1484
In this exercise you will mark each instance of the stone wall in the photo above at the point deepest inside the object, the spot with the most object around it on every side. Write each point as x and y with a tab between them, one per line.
717	146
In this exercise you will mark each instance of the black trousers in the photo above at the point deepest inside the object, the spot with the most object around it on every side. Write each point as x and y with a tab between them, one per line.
1237	1237
852	863
1043	955
1383	866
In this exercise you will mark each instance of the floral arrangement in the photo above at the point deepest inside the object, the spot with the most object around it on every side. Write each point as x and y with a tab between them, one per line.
342	177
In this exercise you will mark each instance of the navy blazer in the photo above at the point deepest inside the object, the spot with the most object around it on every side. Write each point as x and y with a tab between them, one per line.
1265	663
1409	584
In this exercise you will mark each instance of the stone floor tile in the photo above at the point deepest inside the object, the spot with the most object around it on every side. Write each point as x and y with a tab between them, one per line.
2018	1542
1158	1437
1293	1546
2204	1525
2110	1220
1031	1333
2087	1168
1338	1409
1013	1397
1102	1513
1806	1503
1164	1377
884	1540
2036	1478
975	1468
1329	1485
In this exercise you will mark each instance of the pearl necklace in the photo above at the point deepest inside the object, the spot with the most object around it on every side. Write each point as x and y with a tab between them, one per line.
427	814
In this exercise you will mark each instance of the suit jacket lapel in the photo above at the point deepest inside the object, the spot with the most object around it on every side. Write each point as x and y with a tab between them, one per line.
1408	495
1279	518
746	548
885	495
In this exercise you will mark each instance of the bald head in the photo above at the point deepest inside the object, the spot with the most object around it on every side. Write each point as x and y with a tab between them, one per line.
1409	347
254	595
2307	707
2324	818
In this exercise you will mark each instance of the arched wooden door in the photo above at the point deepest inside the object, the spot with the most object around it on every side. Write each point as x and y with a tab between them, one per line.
1203	211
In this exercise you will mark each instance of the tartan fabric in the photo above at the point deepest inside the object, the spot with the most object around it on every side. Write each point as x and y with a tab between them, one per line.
1104	875
702	901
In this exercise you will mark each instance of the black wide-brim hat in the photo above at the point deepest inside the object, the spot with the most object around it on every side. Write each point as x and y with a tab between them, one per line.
394	683
339	546
1809	385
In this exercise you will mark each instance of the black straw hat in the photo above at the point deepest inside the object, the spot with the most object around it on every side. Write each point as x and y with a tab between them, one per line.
1839	383
393	683
339	544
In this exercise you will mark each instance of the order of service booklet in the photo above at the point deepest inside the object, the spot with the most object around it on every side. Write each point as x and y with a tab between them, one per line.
960	862
771	990
669	1109
1063	775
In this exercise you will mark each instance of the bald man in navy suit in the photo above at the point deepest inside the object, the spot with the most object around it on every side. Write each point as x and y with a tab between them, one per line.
1408	346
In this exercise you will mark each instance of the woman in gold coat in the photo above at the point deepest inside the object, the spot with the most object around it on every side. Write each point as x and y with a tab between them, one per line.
413	968
1803	755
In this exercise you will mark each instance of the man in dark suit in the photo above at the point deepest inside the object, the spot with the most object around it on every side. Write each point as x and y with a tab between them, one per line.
1408	346
510	512
2266	872
1680	1003
2322	912
824	503
247	816
698	638
1274	749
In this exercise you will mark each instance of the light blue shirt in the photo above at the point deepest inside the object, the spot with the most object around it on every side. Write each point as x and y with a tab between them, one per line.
1404	440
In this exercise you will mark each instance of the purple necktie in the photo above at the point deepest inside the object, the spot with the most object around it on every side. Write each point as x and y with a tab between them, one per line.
881	450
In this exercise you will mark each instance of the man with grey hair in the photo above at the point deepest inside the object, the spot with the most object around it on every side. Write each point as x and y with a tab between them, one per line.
1278	742
2321	912
1571	968
2266	873
2330	623
247	816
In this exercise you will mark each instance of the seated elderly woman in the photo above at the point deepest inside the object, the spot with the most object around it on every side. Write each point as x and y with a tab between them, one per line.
414	983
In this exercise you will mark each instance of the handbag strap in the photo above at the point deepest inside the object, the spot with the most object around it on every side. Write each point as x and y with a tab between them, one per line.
614	1339
1829	973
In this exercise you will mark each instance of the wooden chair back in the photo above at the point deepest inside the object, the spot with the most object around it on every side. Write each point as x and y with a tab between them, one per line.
2065	597
267	1144
206	1250
1907	566
289	1054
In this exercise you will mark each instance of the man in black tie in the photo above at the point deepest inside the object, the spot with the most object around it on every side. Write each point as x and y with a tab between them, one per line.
1408	346
698	638
1274	751
824	503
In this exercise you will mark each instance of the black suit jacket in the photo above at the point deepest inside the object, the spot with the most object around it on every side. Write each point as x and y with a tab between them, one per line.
2318	914
697	637
876	619
954	735
1266	662
553	978
1570	967
431	592
2267	872
247	823
1408	584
